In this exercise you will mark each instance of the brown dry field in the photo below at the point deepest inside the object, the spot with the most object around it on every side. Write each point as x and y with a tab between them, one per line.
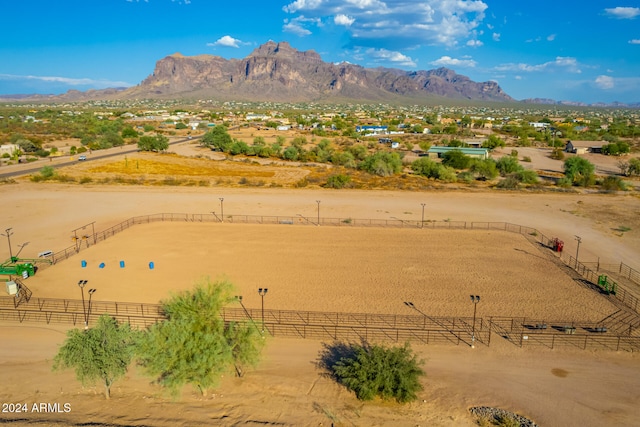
332	269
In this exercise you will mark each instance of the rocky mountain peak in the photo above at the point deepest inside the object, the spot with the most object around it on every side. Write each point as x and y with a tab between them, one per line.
284	50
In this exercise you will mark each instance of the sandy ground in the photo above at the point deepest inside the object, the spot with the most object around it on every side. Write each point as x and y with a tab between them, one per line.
553	387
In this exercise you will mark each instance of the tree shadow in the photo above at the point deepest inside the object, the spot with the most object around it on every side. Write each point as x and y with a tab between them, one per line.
334	352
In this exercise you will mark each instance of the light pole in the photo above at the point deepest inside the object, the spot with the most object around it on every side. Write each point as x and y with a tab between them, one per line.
8	236
318	202
422	215
475	299
91	291
579	239
262	292
81	284
221	209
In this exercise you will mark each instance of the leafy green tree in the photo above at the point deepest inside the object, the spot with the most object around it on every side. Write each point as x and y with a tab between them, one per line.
291	153
217	138
374	370
129	132
579	171
507	165
492	142
102	353
382	163
484	169
194	345
153	143
456	159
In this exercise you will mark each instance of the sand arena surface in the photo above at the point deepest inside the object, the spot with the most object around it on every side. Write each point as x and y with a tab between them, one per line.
346	269
594	388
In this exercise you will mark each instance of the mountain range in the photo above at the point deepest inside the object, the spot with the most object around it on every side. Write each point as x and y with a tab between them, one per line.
278	72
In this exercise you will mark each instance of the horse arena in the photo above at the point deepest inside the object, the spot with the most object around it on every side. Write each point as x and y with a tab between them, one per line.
330	269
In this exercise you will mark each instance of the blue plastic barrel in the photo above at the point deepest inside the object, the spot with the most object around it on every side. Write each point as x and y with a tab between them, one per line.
83	263
151	265
101	265
121	264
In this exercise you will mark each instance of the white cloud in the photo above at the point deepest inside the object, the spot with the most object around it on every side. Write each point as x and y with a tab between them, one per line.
302	5
474	43
447	61
496	37
551	37
226	41
398	23
101	83
343	20
623	12
561	63
634	41
605	82
391	56
295	26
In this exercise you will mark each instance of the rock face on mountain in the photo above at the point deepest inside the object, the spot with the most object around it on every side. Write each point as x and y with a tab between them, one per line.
278	72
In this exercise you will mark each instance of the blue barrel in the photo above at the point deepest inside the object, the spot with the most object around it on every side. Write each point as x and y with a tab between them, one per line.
151	265
121	264
83	263
101	265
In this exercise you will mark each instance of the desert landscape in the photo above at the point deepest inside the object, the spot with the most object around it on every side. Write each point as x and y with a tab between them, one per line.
327	268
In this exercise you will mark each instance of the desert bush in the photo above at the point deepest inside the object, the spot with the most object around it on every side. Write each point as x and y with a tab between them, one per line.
338	181
579	171
507	165
484	169
509	183
382	163
375	371
456	159
557	154
526	159
613	183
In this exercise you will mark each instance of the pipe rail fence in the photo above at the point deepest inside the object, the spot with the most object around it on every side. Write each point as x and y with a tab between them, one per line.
353	326
350	326
281	323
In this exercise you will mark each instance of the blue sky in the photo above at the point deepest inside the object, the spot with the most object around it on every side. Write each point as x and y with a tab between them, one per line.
564	50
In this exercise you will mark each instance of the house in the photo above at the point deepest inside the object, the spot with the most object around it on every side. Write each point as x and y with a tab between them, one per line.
583	147
476	153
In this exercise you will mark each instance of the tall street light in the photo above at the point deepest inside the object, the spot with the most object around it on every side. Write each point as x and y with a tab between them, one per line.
221	209
579	239
91	291
262	292
422	214
475	299
8	236
318	202
81	284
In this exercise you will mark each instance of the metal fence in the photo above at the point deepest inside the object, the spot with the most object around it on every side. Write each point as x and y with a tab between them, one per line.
352	326
580	335
370	327
280	323
622	294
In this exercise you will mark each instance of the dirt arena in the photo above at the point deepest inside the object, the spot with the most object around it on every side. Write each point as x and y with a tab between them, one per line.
332	269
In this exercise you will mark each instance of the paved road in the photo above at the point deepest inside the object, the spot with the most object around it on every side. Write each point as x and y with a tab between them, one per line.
29	168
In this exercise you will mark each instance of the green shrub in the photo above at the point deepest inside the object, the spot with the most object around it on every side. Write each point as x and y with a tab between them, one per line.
613	183
338	181
526	159
376	371
557	154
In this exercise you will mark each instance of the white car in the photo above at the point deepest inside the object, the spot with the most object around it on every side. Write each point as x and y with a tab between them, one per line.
82	158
